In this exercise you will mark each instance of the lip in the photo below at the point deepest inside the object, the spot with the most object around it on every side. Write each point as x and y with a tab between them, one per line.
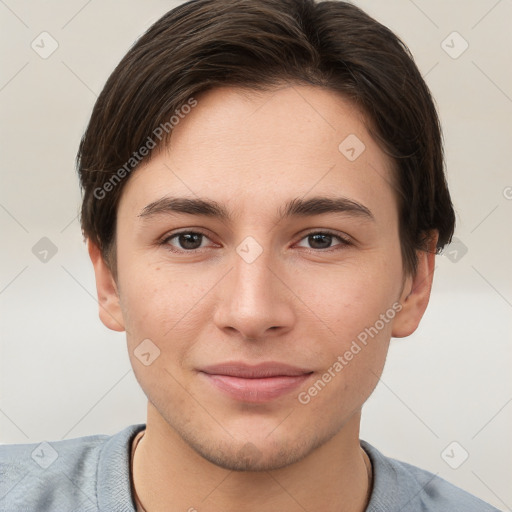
255	383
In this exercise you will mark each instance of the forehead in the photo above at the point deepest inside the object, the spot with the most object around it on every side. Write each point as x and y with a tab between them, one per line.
238	145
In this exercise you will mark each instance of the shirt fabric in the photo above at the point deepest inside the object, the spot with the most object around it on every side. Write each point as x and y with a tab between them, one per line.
92	473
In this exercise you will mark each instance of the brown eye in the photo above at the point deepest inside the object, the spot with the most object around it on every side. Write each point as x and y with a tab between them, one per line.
185	240
319	240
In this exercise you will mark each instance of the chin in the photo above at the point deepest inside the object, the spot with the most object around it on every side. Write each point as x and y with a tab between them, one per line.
263	455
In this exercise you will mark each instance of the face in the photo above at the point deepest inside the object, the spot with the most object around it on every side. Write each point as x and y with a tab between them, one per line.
268	306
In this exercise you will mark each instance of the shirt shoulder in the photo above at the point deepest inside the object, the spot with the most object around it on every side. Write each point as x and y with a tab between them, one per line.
400	486
83	474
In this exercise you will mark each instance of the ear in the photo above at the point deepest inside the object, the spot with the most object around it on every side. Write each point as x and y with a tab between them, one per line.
108	297
416	292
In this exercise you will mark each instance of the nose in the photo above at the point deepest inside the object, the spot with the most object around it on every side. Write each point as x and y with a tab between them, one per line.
255	300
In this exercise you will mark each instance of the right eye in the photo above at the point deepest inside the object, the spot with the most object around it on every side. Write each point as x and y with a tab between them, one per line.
185	241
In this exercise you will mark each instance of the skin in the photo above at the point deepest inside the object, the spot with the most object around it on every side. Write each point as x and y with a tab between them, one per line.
301	302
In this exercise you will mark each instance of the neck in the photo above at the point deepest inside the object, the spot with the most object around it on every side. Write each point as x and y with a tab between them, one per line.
169	475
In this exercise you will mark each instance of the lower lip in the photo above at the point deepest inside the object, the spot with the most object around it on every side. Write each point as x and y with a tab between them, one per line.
256	390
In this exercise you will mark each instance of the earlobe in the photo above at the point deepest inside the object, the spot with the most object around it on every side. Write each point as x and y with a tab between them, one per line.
108	297
416	292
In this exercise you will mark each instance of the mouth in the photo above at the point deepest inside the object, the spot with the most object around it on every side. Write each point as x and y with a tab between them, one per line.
255	383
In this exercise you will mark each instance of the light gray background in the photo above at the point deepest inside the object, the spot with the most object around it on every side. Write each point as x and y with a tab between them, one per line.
64	375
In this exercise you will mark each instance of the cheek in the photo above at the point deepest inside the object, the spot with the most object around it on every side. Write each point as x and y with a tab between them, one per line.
166	308
151	299
353	297
356	307
353	359
155	313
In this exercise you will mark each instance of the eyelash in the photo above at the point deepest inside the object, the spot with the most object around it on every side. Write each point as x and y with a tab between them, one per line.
344	242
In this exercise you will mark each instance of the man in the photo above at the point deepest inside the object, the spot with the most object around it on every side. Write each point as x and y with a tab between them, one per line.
264	196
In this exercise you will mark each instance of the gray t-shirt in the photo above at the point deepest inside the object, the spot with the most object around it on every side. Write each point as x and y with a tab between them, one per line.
92	473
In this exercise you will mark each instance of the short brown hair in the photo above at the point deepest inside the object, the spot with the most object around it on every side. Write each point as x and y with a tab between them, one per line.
261	44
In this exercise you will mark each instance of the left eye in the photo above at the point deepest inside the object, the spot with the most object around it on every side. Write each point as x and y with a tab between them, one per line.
189	241
321	240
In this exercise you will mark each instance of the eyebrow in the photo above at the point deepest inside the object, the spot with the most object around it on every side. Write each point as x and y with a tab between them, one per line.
297	207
